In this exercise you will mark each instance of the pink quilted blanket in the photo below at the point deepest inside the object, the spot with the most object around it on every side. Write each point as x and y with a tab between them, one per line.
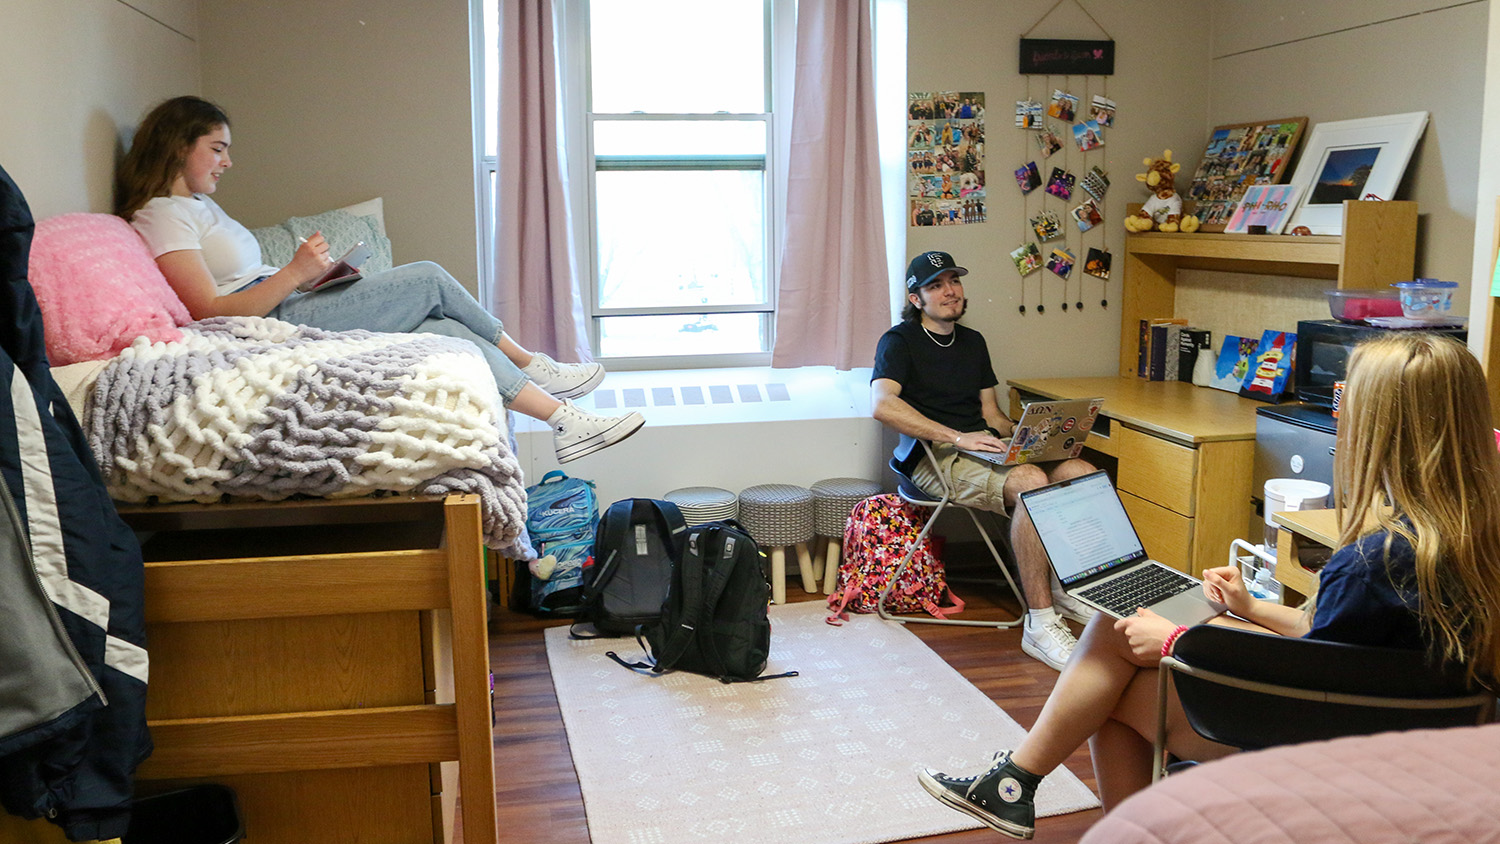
1417	787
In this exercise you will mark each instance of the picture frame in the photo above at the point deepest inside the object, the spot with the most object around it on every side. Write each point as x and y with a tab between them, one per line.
1239	155
1350	159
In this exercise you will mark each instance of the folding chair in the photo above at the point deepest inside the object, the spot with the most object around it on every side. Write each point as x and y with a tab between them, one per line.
1254	690
915	495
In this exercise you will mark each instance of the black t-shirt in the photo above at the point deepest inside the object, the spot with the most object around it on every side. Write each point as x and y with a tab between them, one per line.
941	383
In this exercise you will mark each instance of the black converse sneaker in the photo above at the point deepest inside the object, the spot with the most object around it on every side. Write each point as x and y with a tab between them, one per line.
1002	798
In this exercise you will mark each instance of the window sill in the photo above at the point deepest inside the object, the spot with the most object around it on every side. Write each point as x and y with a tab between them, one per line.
734	395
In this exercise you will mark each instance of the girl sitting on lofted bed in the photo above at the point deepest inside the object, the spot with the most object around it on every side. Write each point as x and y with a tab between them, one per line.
1418	489
180	152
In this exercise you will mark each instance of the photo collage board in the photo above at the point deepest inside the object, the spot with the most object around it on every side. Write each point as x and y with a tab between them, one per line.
945	158
1063	177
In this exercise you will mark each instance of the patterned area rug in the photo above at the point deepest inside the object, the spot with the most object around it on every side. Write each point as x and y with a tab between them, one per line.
828	757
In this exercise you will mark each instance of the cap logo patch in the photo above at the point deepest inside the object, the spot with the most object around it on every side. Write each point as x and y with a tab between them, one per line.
935	259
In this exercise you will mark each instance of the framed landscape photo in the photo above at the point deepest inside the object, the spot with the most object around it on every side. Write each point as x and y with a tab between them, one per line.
1240	155
1352	159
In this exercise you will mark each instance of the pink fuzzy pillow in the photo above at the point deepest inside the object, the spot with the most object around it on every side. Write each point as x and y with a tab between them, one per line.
99	288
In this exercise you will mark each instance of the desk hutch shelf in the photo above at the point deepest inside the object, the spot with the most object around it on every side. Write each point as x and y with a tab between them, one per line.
1378	246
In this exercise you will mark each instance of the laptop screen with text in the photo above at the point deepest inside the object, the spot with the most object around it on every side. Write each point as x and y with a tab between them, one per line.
1083	526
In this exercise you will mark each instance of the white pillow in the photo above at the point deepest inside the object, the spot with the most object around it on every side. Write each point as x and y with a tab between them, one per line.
373	208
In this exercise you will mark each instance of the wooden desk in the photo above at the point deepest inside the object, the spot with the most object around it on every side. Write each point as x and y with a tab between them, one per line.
1296	528
1185	458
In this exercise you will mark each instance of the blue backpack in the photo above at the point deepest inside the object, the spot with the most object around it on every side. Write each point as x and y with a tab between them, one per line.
561	515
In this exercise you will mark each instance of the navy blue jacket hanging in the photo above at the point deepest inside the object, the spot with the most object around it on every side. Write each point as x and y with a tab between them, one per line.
73	660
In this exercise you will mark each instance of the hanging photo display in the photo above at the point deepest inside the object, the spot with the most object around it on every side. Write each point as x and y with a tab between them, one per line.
945	157
1097	263
1047	225
1060	183
1028	114
1103	110
1028	178
1061	261
1028	258
1087	135
1071	77
1048	141
1096	183
1064	106
1087	215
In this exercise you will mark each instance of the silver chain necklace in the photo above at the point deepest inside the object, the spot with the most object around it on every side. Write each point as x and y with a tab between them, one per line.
934	339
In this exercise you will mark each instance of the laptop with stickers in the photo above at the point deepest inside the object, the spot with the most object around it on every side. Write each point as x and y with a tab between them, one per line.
1099	559
1047	430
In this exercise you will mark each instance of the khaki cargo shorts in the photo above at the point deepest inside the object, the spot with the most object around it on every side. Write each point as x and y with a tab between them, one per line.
976	483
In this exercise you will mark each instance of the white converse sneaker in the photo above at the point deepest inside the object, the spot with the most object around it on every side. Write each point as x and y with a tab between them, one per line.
1051	643
576	433
563	380
1071	607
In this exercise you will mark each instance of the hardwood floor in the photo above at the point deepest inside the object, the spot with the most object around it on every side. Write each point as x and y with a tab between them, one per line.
537	791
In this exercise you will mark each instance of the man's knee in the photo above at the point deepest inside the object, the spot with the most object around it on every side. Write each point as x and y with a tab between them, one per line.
1023	477
1073	468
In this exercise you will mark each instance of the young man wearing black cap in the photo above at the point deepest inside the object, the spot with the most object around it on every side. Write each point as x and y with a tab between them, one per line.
933	381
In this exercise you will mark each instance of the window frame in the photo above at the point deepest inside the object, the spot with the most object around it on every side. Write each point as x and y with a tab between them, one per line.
578	124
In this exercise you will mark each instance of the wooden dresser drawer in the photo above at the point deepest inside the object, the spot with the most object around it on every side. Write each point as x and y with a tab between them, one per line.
1157	470
1168	536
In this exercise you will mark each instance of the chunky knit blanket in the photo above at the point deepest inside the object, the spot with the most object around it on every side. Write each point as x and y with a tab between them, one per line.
260	408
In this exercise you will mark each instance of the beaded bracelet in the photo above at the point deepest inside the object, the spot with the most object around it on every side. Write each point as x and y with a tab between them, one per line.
1166	646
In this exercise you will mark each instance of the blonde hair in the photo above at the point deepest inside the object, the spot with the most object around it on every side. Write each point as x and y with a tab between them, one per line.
1416	457
160	149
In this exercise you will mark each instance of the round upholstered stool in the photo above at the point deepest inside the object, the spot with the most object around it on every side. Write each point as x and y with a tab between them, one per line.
833	498
701	504
778	516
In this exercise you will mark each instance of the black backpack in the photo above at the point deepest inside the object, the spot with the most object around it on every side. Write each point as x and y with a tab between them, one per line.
714	619
635	546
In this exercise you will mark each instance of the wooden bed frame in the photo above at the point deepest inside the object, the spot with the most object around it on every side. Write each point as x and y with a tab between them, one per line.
327	659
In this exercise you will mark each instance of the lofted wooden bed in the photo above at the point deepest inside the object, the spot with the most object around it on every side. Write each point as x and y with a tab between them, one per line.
328	659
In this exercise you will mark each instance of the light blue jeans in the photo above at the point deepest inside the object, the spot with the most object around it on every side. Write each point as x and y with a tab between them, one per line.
421	298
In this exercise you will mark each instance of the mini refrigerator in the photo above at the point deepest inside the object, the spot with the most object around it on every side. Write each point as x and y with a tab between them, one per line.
1293	441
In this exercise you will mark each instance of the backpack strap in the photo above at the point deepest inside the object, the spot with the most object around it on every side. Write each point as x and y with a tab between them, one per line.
695	596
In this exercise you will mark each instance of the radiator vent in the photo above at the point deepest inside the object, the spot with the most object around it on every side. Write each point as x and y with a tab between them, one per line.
690	395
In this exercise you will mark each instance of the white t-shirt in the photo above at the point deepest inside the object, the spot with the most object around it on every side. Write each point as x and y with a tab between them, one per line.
175	223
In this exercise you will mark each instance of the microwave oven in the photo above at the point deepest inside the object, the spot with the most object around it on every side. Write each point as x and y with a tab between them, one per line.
1323	348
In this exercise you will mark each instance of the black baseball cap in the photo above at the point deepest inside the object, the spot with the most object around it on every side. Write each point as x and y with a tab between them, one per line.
928	266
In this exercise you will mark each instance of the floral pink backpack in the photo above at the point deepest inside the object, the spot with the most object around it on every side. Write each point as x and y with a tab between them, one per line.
879	530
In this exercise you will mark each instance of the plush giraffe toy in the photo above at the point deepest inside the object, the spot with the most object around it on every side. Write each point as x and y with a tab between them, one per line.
1163	211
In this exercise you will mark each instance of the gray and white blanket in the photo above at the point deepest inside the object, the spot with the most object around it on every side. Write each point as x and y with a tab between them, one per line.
259	408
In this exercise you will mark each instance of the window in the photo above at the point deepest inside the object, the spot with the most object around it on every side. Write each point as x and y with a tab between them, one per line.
679	133
670	134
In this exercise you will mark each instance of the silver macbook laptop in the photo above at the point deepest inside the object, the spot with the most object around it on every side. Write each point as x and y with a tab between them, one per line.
1047	430
1099	559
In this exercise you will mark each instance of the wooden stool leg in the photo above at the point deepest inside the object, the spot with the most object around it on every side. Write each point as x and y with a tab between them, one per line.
831	566
804	562
819	547
778	574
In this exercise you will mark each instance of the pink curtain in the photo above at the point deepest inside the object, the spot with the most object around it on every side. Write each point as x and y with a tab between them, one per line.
834	296
536	281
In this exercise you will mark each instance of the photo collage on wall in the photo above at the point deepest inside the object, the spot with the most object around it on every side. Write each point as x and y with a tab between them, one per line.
945	158
1063	179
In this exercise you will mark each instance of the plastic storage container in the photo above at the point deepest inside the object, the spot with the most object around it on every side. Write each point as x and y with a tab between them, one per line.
1426	298
200	814
1360	305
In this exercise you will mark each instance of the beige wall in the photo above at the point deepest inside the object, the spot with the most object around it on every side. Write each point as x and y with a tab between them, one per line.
1163	96
1334	60
74	76
337	101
